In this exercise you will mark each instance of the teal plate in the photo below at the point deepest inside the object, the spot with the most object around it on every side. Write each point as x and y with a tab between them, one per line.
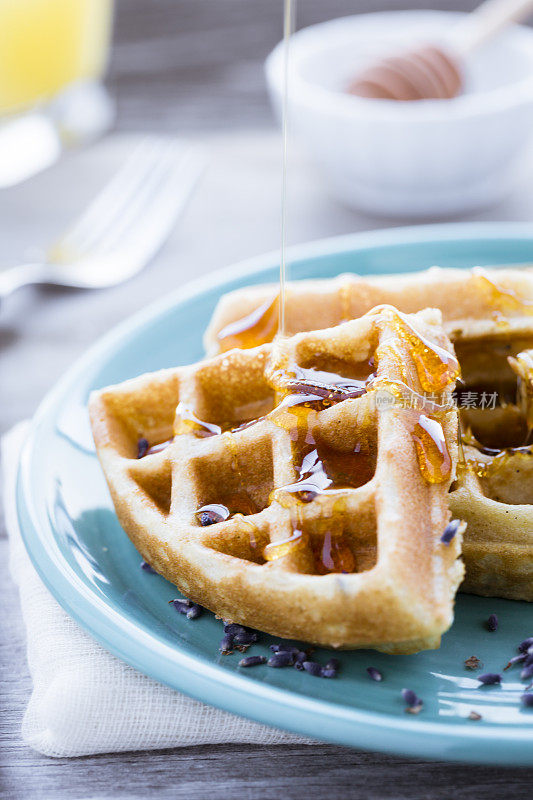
86	560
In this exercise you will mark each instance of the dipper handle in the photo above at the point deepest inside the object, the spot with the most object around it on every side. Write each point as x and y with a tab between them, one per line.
486	21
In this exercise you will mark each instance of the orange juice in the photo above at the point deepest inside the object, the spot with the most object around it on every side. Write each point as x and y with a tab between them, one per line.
46	45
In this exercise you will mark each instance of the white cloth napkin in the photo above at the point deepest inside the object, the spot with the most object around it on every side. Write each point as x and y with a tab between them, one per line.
85	700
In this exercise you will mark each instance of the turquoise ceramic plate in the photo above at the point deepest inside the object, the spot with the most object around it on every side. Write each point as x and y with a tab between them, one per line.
82	554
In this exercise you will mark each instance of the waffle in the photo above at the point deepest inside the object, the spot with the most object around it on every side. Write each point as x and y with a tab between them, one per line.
488	315
328	500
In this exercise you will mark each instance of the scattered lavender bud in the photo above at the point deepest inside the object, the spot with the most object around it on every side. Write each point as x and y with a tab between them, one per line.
209	518
148	568
473	662
411	698
515	660
143	445
195	611
233	628
450	531
282	659
527	700
281	648
492	623
181	605
299	659
333	663
475	716
328	673
252	661
526	673
313	668
490	678
374	673
226	645
245	637
525	645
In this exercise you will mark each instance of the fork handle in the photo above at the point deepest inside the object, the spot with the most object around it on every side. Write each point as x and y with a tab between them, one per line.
23	275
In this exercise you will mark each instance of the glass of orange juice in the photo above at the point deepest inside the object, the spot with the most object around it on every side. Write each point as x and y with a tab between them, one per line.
53	54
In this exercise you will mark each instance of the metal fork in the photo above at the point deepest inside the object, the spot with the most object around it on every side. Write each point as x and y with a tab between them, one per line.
125	224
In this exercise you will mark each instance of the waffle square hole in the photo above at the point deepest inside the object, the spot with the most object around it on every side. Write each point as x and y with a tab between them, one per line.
238	475
342	368
488	398
239	538
232	390
142	411
155	481
339	543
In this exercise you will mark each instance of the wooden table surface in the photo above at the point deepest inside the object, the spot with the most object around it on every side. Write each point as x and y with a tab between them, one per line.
187	67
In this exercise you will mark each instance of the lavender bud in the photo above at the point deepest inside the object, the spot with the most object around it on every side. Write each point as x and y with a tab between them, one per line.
313	668
182	605
148	568
374	673
226	645
490	678
333	663
195	611
245	637
525	645
282	659
527	700
328	673
515	660
233	628
252	661
450	531
411	698
492	623
143	446
526	673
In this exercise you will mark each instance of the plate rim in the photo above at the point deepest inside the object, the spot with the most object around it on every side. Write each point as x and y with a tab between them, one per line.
211	683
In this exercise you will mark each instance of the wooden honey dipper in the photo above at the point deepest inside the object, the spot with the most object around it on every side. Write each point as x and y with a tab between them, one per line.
432	71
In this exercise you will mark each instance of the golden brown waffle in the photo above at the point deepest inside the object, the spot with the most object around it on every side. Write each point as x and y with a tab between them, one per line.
488	315
330	506
473	303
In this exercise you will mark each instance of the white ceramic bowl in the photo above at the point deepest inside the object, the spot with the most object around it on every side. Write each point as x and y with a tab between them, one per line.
424	159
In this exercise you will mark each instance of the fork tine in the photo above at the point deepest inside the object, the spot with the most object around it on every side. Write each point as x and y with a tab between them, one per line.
140	242
110	202
154	206
160	168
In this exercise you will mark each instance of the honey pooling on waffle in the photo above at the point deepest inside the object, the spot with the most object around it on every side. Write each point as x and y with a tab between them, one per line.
501	443
432	451
331	550
258	327
436	370
502	299
302	394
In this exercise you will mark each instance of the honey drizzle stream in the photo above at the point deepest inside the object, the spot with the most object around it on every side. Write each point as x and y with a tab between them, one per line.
288	20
